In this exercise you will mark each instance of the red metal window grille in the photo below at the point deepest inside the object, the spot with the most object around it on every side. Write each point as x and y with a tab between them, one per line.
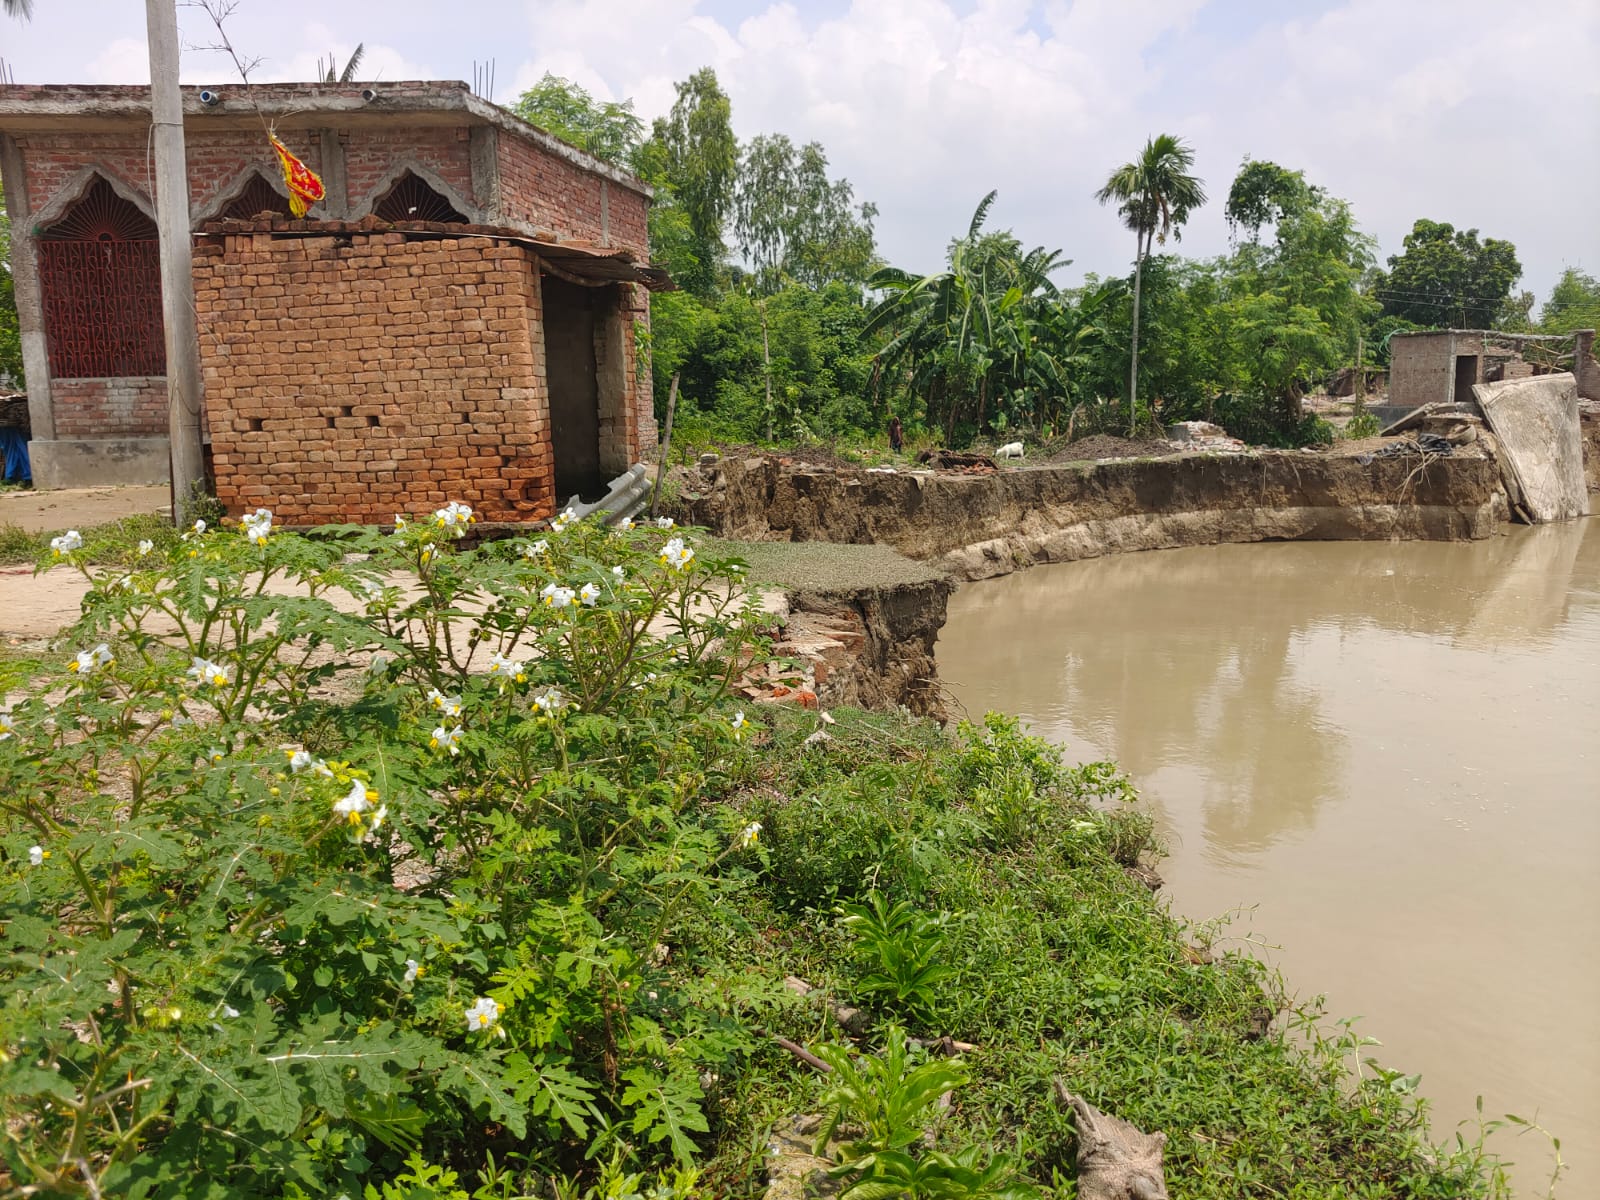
100	279
256	197
410	199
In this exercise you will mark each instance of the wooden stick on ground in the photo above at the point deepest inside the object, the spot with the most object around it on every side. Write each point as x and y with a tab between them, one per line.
804	1055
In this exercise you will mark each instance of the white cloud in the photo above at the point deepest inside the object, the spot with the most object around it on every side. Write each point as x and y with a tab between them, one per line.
1456	110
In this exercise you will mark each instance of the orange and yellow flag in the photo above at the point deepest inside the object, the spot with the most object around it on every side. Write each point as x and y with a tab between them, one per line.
305	188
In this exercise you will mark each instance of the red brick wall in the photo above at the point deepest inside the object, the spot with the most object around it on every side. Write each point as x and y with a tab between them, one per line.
132	407
216	159
371	156
543	190
354	381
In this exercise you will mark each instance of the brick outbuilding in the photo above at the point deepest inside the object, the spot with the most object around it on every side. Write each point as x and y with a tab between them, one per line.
457	319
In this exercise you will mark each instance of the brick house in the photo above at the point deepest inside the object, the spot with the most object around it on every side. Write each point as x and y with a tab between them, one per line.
458	316
1441	365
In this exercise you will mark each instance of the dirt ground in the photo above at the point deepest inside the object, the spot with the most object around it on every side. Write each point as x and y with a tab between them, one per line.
77	508
1101	445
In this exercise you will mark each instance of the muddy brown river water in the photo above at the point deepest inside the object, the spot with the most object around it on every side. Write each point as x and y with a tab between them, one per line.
1383	758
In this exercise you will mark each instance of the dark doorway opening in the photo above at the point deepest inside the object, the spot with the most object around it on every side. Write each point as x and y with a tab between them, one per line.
573	382
1466	376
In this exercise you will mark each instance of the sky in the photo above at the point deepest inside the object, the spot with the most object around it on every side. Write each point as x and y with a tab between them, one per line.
1475	112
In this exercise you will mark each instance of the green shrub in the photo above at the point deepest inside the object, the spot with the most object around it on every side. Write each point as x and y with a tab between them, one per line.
298	898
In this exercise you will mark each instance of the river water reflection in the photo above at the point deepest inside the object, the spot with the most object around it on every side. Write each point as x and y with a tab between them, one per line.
1388	754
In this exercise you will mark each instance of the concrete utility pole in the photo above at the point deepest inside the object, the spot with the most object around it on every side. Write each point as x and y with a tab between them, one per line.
177	277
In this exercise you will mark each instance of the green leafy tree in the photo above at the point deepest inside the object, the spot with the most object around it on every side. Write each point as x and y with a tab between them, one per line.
793	222
1574	303
10	336
1154	194
965	341
1293	310
1263	193
607	129
698	158
1448	278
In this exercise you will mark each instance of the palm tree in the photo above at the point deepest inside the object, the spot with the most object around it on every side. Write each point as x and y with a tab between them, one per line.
1154	194
18	8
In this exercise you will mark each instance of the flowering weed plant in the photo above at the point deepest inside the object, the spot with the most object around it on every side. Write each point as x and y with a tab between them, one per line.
348	857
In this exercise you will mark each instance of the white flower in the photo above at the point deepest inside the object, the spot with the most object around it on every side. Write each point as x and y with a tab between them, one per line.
426	552
557	597
413	969
826	718
663	522
216	754
145	547
454	516
550	701
676	554
257	526
618	572
536	549
624	525
228	1012
356	802
589	594
750	835
87	660
195	530
738	724
68	542
37	855
400	522
484	1014
566	518
450	706
509	670
379	816
447	739
378	664
7	725
206	671
302	760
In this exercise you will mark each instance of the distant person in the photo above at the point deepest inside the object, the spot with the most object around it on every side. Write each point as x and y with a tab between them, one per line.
896	435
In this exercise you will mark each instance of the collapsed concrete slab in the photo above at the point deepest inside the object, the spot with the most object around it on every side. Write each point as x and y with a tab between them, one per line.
1536	423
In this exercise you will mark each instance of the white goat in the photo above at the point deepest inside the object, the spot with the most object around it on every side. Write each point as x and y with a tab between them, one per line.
1009	450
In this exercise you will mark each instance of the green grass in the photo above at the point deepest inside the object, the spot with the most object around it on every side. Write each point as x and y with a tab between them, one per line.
102	543
1063	965
825	566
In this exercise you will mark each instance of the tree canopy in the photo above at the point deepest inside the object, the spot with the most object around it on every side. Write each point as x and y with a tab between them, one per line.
795	223
607	129
1574	303
1448	278
698	158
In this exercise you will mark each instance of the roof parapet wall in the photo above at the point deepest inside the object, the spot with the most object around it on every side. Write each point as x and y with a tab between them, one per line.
37	107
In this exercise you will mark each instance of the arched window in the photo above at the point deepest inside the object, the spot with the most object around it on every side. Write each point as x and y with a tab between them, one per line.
411	199
256	197
100	280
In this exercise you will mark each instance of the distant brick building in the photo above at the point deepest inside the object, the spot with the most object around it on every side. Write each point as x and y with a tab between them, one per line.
463	302
1442	365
